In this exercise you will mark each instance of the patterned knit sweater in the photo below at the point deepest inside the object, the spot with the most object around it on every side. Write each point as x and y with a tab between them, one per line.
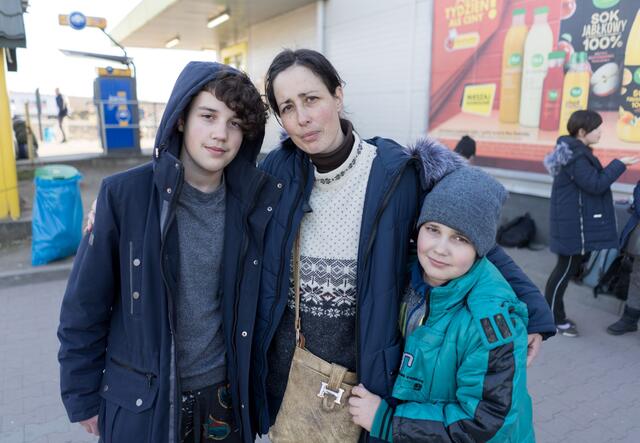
329	237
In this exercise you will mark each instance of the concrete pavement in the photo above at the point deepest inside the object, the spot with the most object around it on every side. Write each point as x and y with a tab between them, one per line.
585	389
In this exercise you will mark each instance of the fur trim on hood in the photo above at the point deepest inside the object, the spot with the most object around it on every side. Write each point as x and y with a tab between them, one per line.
436	160
559	157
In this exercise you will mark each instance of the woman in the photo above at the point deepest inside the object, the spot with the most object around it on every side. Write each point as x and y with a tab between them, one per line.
582	213
353	205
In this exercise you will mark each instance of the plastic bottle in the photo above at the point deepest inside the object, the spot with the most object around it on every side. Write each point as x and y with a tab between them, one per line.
628	126
552	92
511	79
537	47
575	91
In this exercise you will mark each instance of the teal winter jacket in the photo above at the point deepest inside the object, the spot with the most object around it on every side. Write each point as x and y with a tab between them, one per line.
463	372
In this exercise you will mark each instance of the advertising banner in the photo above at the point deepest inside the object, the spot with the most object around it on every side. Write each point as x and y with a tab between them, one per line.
509	73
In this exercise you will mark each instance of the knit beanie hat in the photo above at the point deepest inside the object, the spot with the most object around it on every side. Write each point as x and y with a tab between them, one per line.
468	200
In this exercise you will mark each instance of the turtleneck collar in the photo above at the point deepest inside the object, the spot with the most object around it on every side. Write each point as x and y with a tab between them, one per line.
328	162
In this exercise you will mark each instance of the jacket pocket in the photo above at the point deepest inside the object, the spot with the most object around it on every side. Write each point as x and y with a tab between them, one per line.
129	396
417	367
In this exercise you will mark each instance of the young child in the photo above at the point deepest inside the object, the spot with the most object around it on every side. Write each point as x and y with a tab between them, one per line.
463	371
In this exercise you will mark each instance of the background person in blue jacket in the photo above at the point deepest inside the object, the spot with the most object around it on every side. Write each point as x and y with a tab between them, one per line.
151	334
630	243
582	217
463	375
354	203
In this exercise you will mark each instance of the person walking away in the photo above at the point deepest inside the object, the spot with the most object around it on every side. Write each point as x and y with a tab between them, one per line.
63	111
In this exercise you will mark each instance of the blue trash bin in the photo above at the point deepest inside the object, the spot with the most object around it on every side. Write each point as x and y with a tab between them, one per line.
57	214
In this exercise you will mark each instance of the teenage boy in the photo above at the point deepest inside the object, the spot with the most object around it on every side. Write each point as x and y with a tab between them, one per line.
463	374
154	347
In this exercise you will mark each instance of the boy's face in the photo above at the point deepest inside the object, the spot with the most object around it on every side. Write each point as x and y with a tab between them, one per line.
212	136
444	253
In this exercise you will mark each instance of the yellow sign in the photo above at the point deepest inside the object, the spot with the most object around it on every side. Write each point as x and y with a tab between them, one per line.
478	99
93	22
113	72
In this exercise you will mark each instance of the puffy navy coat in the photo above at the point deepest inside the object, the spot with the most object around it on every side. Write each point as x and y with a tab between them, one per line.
582	216
392	202
117	337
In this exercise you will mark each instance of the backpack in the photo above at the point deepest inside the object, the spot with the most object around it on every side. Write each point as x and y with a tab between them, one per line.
593	268
616	280
518	233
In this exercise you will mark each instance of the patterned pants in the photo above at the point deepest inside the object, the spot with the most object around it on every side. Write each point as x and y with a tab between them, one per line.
207	415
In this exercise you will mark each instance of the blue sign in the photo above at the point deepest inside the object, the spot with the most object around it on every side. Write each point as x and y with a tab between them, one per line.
119	111
77	20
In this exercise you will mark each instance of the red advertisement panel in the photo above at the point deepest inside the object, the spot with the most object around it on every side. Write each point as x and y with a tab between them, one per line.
509	73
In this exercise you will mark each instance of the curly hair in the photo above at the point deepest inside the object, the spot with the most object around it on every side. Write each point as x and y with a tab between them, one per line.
240	95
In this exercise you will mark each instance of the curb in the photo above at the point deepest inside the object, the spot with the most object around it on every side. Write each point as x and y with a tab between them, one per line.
40	274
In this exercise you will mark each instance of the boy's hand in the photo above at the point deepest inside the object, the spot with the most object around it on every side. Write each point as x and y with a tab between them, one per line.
91	425
363	406
535	343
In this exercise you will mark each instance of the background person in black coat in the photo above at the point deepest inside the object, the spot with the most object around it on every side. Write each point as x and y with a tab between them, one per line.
582	214
63	111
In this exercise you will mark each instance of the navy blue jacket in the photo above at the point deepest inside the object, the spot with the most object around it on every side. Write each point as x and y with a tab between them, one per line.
392	202
582	216
634	219
117	334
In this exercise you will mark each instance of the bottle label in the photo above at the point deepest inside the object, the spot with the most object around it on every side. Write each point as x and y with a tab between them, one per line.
630	96
515	59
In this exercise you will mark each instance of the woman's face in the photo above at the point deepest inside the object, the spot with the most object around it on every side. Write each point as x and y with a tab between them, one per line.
592	137
309	112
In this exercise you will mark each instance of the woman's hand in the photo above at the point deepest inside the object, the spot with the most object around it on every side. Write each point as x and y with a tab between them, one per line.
631	160
363	406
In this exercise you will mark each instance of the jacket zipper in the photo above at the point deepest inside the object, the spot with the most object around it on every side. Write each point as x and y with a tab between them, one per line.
381	208
581	222
149	375
163	261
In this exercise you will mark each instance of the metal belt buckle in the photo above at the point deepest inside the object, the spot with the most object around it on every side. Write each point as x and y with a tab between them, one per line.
324	390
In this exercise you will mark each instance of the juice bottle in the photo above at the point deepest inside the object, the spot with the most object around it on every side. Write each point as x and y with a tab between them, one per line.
512	68
537	47
575	92
552	92
628	126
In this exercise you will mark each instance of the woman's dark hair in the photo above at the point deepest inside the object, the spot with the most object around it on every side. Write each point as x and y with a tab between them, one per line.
587	120
310	59
235	89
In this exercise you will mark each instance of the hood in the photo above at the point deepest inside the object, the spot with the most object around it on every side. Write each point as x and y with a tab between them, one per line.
436	160
189	83
562	154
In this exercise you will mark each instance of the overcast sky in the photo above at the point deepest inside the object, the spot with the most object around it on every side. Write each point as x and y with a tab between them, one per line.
42	65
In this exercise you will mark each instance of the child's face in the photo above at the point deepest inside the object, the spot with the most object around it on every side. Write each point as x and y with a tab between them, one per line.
444	253
212	135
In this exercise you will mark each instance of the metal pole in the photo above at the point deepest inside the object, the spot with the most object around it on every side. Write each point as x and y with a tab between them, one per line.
39	108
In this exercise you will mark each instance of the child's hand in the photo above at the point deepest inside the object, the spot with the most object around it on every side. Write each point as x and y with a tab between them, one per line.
363	406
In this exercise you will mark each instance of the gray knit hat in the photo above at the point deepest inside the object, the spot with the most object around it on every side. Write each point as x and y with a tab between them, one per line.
468	200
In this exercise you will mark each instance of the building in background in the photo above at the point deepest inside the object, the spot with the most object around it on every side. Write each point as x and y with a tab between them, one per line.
437	67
